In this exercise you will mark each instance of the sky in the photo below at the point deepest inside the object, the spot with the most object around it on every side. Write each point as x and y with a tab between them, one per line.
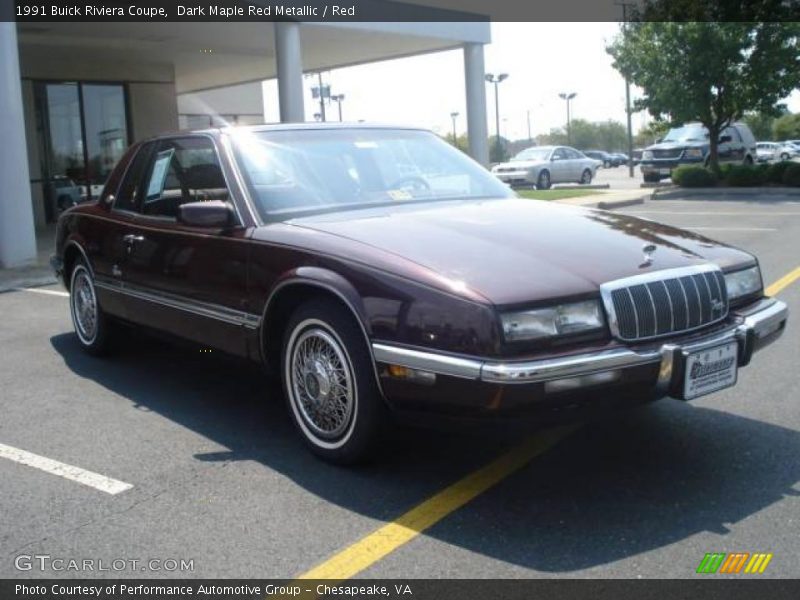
541	59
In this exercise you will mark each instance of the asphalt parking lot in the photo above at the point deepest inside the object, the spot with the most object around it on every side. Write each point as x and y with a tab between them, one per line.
196	461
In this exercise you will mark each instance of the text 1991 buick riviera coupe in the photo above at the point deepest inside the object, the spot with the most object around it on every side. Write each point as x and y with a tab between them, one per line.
381	271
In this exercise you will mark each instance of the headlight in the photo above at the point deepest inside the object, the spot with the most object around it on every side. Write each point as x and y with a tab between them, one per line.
647	154
743	283
556	320
693	153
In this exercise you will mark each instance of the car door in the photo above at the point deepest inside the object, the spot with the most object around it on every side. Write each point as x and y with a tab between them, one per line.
732	148
575	164
187	280
559	166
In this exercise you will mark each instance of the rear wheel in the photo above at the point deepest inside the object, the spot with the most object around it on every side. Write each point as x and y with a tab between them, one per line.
785	156
748	160
543	181
90	322
330	384
586	177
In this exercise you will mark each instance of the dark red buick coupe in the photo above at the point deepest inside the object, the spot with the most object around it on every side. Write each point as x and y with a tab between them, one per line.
381	272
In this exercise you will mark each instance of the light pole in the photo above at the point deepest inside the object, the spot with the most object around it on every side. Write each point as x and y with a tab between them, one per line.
490	78
338	99
528	114
320	92
454	115
568	96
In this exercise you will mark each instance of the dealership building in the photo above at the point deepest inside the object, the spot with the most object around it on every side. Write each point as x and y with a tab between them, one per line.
74	95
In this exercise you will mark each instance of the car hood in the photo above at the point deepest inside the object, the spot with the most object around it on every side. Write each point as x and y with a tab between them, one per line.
676	145
514	250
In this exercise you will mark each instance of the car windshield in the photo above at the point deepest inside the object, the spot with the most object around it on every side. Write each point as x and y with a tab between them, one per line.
533	154
687	133
300	171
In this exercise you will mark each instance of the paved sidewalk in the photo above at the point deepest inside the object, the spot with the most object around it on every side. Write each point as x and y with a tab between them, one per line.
36	274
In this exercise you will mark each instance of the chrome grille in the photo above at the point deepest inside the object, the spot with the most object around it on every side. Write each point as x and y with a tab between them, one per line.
666	302
671	153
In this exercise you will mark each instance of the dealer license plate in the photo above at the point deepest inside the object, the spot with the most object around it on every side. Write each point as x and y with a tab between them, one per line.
710	370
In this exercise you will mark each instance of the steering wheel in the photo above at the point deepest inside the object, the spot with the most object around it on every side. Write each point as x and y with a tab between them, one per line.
412	182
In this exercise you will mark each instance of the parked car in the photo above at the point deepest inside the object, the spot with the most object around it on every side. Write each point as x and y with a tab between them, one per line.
65	192
775	151
767	151
543	166
605	158
619	159
688	145
379	271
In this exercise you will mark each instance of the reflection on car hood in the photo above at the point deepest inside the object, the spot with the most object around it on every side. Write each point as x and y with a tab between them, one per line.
516	250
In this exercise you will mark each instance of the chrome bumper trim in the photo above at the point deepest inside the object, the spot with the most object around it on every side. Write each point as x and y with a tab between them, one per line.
767	320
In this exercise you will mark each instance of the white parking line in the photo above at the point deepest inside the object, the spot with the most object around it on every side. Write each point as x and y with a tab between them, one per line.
732	228
40	291
48	465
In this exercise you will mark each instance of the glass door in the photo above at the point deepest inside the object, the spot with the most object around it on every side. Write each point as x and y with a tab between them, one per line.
84	132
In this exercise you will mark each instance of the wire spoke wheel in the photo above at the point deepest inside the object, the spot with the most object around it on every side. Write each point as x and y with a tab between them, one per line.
321	382
84	306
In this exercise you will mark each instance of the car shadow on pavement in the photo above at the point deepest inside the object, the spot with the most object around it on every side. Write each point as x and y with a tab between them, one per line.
616	488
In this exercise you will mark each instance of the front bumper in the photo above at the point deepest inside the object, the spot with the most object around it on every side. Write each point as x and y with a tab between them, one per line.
656	366
520	177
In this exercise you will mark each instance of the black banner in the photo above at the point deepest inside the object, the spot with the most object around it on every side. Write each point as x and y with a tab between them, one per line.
394	10
707	587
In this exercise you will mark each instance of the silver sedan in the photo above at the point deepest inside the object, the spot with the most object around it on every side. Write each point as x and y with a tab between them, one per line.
543	166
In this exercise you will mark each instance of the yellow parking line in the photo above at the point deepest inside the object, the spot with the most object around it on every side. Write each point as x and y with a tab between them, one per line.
385	540
783	282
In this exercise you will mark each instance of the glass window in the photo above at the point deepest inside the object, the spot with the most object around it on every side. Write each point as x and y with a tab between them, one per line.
560	154
533	154
106	131
182	170
318	170
84	134
128	195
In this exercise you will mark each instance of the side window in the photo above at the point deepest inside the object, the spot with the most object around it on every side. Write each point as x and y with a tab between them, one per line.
182	170
128	194
731	131
572	154
559	154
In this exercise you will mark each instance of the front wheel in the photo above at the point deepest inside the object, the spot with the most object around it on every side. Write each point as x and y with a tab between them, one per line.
586	177
543	181
90	322
784	156
330	383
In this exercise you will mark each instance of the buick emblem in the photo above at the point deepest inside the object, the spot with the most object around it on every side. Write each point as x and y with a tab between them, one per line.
648	250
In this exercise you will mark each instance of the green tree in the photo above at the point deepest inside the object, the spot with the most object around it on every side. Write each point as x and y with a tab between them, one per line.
655	130
498	151
787	127
711	72
760	124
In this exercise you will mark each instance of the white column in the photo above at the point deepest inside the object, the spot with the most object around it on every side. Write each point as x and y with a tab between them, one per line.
289	59
474	77
17	233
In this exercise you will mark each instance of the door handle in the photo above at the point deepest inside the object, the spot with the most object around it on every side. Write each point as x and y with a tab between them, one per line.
132	239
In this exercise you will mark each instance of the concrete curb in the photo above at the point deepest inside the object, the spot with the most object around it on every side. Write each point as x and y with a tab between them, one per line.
607	205
11	281
723	192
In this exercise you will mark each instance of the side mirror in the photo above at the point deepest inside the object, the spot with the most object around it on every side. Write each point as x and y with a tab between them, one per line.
725	138
212	213
554	158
